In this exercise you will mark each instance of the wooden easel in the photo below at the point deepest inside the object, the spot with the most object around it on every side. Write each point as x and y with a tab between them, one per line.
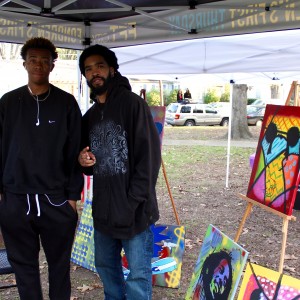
285	223
294	90
169	191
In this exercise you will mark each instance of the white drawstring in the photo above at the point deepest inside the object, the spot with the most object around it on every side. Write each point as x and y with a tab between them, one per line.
28	205
53	203
37	204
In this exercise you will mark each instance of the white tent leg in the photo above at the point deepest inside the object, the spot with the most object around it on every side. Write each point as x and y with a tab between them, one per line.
229	137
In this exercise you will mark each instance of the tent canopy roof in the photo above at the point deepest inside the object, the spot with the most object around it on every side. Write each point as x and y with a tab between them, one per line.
96	11
271	53
116	23
194	36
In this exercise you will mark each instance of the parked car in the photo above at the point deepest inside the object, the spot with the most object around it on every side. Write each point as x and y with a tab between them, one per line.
192	114
222	107
255	115
258	102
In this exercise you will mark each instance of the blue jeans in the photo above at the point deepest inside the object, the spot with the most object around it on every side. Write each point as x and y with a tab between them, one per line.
139	252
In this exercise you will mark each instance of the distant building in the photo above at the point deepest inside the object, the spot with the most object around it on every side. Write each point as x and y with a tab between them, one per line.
152	84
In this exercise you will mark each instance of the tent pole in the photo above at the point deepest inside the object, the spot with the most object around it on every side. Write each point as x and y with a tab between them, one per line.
161	93
229	136
79	83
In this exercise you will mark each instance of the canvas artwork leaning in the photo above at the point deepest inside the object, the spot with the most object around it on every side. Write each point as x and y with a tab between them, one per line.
275	174
218	269
260	283
168	250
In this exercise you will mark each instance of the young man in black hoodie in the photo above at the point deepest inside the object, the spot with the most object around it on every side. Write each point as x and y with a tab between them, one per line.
40	178
122	152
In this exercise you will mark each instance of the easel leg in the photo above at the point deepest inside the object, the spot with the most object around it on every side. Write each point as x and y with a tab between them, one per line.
285	225
246	214
169	190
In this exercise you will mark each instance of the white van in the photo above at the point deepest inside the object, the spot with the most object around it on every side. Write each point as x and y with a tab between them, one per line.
192	114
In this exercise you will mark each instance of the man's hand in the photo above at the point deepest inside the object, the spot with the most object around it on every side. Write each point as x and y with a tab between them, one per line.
86	158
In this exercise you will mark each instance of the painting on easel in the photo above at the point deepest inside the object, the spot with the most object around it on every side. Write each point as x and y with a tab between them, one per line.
158	114
275	174
263	283
218	268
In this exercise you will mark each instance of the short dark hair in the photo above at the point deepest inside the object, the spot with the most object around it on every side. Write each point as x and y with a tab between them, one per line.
107	54
39	43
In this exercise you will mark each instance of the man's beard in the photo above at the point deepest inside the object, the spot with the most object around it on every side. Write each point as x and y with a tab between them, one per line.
99	90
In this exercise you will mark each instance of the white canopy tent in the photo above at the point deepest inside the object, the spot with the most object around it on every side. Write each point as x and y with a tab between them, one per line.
117	23
266	53
208	37
236	59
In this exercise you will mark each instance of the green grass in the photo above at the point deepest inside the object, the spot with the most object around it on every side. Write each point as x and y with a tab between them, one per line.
181	156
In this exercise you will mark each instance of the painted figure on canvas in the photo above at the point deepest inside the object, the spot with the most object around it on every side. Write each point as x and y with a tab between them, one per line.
218	268
275	176
261	283
215	280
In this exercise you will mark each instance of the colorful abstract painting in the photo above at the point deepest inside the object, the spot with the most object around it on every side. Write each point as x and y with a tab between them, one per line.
168	250
168	245
275	174
218	269
260	283
159	114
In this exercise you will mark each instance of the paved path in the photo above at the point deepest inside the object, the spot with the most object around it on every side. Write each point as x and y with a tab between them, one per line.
220	143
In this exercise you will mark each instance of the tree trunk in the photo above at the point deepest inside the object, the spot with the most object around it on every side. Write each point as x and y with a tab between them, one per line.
275	91
239	125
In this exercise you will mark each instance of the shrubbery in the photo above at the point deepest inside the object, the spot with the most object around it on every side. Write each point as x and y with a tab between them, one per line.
250	100
211	96
153	97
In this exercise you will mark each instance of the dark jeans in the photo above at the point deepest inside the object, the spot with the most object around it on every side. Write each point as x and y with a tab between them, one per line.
139	252
25	222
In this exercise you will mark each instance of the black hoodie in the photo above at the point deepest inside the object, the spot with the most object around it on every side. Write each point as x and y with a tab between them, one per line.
40	159
123	137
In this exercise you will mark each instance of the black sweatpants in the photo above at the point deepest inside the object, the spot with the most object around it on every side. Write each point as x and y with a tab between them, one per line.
25	222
